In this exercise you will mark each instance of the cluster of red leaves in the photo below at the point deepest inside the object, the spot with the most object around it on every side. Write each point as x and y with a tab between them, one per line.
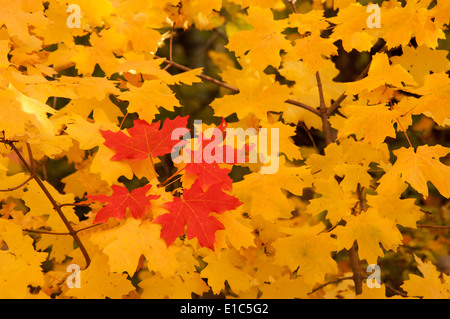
207	194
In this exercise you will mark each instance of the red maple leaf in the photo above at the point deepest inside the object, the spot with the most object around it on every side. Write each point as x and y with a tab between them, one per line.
193	209
144	139
136	201
204	164
209	174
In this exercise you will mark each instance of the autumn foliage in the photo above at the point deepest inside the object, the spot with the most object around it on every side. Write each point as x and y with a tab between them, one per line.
89	174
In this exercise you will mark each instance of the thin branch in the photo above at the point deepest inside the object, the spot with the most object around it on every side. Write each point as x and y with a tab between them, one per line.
303	125
303	105
73	204
330	283
58	233
323	112
30	157
336	103
356	269
202	76
170	46
398	292
72	232
343	96
18	186
170	177
433	226
45	168
294	8
204	48
235	89
401	293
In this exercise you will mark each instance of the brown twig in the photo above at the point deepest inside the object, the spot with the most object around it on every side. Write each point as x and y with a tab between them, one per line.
30	157
73	204
332	282
170	46
303	125
303	105
356	268
204	48
56	206
343	96
235	89
294	8
433	226
18	186
323	112
353	254
37	231
401	293
202	76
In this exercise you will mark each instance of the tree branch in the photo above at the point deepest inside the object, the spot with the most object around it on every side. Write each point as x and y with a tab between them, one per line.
323	112
56	206
303	105
330	283
202	76
18	186
235	89
37	231
434	226
356	269
343	96
354	260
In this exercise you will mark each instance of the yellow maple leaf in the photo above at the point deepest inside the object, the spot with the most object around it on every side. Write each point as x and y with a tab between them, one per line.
227	267
259	93
376	122
20	264
97	282
146	100
417	167
430	285
236	232
334	200
261	45
39	205
389	204
435	99
285	288
351	28
312	50
312	21
262	194
82	181
421	60
308	251
125	244
381	73
180	286
414	19
369	229
339	159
